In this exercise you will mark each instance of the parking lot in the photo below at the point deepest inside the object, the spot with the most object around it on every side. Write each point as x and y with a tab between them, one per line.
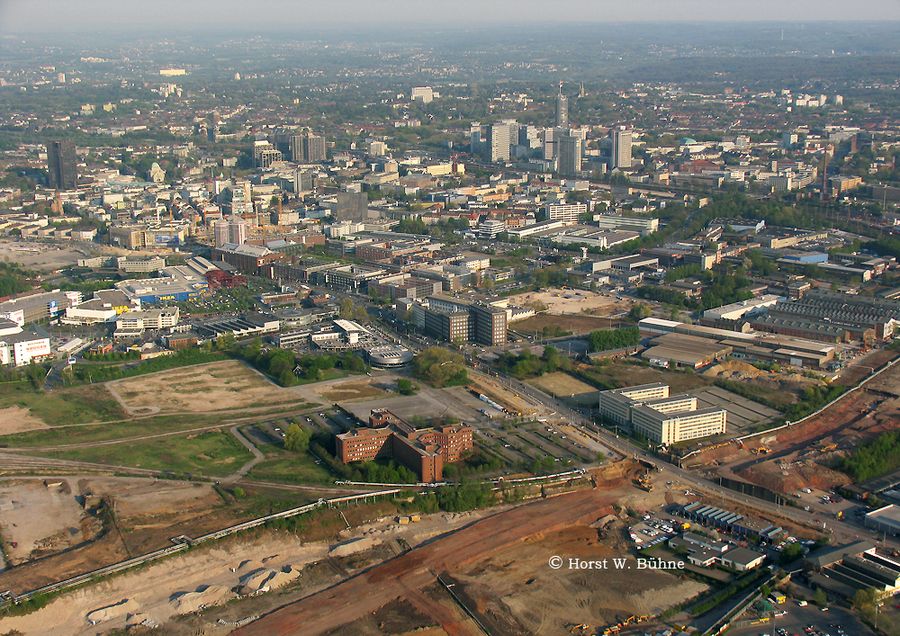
808	621
743	414
523	444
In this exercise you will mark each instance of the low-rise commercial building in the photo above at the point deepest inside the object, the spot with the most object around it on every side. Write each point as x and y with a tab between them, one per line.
424	451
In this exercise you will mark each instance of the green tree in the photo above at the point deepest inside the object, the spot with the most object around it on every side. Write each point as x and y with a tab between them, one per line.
791	553
296	438
639	312
406	387
820	598
440	367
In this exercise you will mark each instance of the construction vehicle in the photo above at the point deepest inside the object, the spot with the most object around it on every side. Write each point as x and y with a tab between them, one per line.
828	448
761	450
643	482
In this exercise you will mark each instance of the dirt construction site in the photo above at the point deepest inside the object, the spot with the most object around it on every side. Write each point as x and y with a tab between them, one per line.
499	569
801	455
571	301
385	577
57	527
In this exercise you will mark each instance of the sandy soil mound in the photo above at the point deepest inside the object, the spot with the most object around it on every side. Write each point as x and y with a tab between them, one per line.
190	602
352	547
103	614
266	579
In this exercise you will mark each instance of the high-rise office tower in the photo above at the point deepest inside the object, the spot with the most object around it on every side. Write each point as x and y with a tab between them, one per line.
548	145
62	165
500	142
307	147
304	181
352	206
315	148
621	148
569	156
562	109
475	140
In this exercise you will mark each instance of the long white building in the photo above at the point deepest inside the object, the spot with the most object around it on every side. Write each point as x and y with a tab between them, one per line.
649	410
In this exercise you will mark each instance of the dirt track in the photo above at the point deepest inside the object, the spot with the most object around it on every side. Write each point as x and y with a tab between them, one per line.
417	569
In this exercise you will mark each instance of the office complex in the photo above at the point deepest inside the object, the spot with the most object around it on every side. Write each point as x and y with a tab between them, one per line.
650	411
621	148
451	320
569	156
565	211
388	436
62	165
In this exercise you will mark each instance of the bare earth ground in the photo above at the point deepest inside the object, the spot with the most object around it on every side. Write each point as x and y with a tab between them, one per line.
563	385
352	390
520	593
152	589
400	578
216	386
15	419
36	520
148	513
572	301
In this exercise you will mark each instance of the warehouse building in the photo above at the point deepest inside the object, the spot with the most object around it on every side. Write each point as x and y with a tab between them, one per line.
684	351
738	310
823	315
763	347
885	520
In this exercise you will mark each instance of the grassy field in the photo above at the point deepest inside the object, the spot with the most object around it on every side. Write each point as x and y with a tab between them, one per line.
564	386
562	325
104	432
291	468
621	373
286	466
214	453
63	406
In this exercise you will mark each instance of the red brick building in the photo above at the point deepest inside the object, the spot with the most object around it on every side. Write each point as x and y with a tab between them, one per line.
389	437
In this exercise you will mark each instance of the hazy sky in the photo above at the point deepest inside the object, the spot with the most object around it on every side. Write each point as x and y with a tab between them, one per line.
181	15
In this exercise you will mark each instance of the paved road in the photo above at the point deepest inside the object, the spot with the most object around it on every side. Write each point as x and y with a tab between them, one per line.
246	468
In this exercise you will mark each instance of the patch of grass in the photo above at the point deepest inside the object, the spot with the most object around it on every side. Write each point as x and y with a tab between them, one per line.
619	373
63	406
288	467
292	468
104	432
214	453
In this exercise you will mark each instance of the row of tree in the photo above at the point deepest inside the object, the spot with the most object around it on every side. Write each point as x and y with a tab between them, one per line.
528	365
608	339
874	458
